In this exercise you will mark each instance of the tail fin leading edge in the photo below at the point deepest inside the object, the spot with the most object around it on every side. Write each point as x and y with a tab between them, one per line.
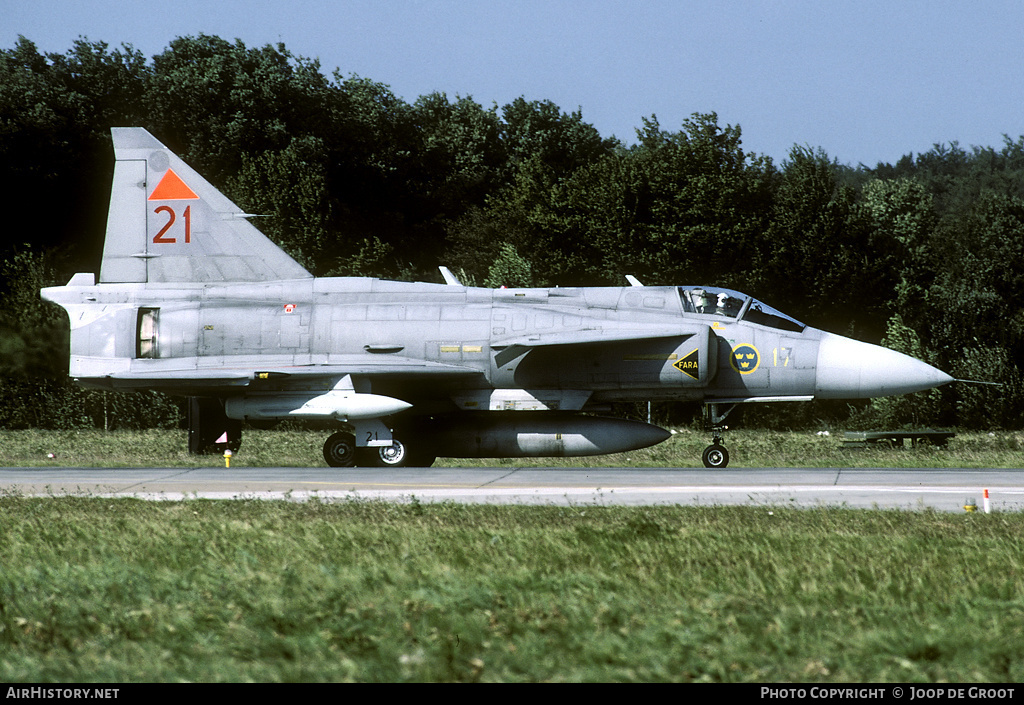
168	224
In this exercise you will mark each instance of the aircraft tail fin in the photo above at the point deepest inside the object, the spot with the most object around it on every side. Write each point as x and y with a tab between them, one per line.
168	224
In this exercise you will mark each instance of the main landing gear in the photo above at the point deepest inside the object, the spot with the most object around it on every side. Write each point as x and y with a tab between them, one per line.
715	455
340	451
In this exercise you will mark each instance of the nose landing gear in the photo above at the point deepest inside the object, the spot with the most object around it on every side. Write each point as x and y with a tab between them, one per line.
715	455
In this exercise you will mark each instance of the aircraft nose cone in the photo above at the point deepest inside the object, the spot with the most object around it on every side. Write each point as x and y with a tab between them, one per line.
850	369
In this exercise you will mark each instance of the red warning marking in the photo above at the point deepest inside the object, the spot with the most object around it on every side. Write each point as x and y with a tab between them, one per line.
172	188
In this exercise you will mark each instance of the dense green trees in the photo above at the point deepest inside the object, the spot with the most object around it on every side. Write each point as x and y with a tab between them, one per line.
927	253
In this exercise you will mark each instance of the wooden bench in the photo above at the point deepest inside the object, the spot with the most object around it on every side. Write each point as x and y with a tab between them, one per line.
895	439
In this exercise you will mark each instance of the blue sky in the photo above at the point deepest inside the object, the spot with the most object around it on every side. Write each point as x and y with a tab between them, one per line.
866	81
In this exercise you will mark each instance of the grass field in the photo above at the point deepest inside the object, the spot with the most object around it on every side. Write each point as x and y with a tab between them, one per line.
158	448
123	590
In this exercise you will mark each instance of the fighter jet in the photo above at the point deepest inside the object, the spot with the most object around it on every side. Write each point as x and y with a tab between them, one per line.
193	300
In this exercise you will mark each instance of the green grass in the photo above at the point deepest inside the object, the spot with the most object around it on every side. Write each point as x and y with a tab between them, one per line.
303	449
125	590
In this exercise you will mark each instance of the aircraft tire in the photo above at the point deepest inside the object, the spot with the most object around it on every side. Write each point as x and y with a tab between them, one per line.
397	455
340	450
715	456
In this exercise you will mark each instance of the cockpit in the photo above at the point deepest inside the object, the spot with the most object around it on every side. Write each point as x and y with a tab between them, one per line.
714	301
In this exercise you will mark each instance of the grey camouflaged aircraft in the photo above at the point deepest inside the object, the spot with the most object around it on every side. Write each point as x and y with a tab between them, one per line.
193	300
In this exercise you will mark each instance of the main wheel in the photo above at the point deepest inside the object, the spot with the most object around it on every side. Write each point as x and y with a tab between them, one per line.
340	450
396	455
715	456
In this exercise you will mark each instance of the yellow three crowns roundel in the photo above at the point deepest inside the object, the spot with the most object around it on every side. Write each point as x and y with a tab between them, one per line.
745	358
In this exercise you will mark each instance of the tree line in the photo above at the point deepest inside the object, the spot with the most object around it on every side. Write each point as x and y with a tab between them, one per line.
925	255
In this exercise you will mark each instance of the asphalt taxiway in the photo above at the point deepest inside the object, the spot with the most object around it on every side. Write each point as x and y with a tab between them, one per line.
920	488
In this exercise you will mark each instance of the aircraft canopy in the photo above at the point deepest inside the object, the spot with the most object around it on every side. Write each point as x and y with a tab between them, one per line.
716	301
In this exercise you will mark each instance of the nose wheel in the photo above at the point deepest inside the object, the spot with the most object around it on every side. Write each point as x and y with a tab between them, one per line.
716	455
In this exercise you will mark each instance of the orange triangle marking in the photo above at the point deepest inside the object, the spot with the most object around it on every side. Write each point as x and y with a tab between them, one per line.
172	188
